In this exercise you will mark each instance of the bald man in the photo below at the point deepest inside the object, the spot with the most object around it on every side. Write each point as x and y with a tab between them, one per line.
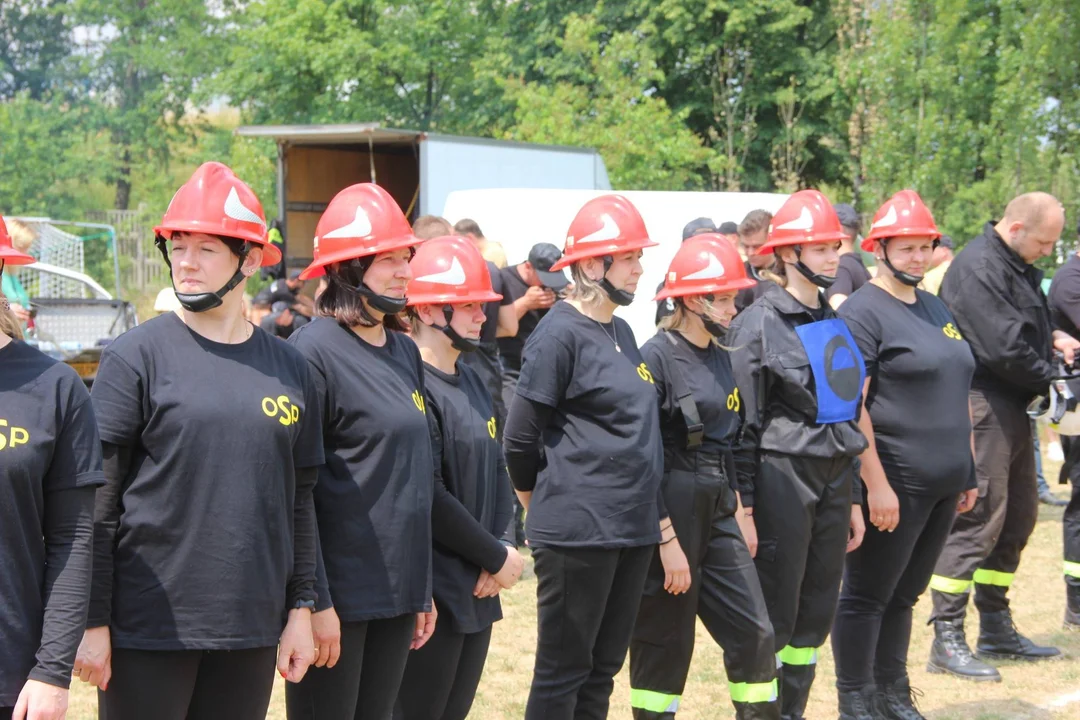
994	293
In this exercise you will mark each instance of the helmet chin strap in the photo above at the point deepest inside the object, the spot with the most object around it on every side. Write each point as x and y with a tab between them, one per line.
201	302
906	278
822	281
461	344
383	303
711	326
619	297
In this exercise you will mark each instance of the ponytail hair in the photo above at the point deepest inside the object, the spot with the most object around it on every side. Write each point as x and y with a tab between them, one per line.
9	325
777	273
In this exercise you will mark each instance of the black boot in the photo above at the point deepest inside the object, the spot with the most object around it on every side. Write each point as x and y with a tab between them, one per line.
1000	640
1072	608
795	682
950	654
857	704
896	701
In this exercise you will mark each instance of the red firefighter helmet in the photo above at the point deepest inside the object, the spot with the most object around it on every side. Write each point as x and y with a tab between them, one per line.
607	225
449	270
902	215
805	218
8	253
705	264
216	202
362	220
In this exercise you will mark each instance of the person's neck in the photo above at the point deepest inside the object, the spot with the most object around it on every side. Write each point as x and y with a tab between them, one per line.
802	289
601	311
372	334
846	247
224	324
438	352
4	341
693	329
901	291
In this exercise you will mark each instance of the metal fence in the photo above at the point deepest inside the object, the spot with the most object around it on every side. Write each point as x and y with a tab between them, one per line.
141	267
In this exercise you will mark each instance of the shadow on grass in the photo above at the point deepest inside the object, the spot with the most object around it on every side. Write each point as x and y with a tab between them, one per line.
1012	709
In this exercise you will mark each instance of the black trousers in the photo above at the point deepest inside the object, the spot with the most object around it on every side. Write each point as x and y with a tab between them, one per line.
985	543
724	592
587	600
802	510
1070	521
364	683
191	684
441	678
882	582
509	388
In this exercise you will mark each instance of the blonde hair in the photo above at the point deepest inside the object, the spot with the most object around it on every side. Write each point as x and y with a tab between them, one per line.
777	273
22	236
585	290
9	325
677	319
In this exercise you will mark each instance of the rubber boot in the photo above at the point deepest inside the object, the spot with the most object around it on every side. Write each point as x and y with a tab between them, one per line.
950	654
1072	608
896	701
857	704
1000	640
795	682
757	711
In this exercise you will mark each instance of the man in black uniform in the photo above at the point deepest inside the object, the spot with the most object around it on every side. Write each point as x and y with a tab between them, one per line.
994	293
700	226
282	321
753	233
852	273
531	288
1065	316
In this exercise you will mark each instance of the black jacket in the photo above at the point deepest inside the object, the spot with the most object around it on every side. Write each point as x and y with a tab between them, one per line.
774	376
747	296
1001	311
1064	298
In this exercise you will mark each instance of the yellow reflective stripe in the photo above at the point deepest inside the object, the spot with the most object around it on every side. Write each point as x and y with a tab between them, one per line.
753	692
1072	569
949	585
798	656
993	577
654	701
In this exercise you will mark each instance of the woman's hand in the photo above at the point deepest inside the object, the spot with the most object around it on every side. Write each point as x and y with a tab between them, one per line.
93	661
967	500
858	528
676	567
486	585
296	648
40	701
884	507
425	627
511	570
326	632
745	520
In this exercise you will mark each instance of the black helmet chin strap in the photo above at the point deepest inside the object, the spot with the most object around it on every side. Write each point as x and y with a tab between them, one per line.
383	303
201	302
822	281
461	344
619	297
906	278
711	326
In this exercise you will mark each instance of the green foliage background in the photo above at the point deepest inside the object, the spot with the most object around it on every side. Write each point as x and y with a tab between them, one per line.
111	103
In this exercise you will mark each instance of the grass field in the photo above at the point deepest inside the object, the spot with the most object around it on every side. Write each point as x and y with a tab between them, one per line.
1029	691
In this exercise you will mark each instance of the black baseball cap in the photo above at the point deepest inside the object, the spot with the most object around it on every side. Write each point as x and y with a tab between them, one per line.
946	241
847	216
696	227
542	257
279	307
295	274
729	228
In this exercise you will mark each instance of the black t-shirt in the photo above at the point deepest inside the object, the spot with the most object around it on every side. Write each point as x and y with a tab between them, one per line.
473	472
708	376
920	372
204	547
510	348
270	325
486	358
48	443
604	455
850	275
373	498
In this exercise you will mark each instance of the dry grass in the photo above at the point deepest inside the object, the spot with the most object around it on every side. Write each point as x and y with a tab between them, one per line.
1026	693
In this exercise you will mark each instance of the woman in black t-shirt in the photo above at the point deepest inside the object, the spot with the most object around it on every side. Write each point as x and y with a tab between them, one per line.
373	498
471	510
205	529
586	398
800	376
50	466
918	468
700	417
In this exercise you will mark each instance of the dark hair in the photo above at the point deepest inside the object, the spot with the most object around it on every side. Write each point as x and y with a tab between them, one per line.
427	227
341	301
754	222
465	226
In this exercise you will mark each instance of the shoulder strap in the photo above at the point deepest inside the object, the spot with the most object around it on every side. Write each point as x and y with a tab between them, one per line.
695	429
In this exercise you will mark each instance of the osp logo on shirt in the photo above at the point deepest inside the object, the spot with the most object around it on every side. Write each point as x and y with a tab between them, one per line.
282	408
951	332
11	436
